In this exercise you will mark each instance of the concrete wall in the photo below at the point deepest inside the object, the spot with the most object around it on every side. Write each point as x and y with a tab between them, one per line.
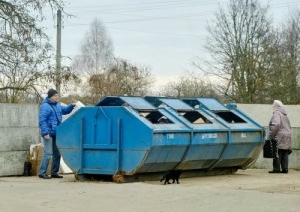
18	130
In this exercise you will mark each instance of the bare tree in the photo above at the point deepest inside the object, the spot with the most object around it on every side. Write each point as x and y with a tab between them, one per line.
290	53
24	47
69	79
189	85
123	78
236	40
96	52
281	59
20	79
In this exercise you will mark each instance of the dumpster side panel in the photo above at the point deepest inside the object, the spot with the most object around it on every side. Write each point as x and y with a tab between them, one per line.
88	141
98	161
245	137
69	138
167	151
242	147
132	137
205	150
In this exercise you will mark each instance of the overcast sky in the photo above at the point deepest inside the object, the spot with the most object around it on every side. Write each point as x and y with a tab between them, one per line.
164	35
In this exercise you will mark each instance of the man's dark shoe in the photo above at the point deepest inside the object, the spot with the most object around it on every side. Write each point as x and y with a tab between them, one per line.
274	171
44	176
56	176
285	171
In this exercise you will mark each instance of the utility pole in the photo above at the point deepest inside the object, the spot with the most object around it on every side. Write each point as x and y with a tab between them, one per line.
58	52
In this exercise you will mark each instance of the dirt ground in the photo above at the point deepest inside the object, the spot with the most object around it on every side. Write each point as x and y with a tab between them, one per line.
246	190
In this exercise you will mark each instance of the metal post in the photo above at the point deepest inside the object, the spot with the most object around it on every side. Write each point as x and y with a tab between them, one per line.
58	52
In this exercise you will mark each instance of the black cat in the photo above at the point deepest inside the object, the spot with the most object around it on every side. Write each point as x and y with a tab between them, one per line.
27	168
171	175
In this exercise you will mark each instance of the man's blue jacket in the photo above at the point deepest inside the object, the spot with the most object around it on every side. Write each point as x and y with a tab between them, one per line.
51	117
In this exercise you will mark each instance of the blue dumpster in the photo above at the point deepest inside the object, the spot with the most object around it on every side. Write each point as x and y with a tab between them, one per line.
122	136
209	136
246	136
125	137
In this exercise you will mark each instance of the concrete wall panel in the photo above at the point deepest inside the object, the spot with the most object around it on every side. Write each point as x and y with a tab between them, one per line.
19	115
12	163
262	113
18	139
267	163
18	130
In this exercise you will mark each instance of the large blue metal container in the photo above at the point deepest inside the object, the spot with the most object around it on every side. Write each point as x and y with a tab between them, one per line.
122	135
246	136
209	137
127	136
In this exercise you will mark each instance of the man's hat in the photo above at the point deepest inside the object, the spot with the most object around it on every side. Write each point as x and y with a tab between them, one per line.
52	92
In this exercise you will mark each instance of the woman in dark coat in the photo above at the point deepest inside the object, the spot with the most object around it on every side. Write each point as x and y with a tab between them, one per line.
280	130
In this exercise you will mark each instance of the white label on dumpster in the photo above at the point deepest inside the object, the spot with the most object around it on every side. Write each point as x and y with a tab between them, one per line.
209	135
243	135
170	136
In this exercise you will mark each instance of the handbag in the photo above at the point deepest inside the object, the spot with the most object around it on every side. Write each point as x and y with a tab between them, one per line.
270	149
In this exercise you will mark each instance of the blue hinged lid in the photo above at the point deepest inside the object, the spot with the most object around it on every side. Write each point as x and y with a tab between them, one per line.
176	104
135	102
209	103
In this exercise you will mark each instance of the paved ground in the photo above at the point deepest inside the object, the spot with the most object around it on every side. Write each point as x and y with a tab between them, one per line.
246	190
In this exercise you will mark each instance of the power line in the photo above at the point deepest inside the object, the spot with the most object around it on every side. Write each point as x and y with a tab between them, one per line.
155	18
147	6
138	7
160	33
158	18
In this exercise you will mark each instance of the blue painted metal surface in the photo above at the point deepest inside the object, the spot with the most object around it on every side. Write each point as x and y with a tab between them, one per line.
209	137
246	136
132	135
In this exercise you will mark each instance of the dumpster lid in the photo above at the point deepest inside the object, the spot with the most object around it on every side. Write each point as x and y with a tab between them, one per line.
135	102
176	104
209	103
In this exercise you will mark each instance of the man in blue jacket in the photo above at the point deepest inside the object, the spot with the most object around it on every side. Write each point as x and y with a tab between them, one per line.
50	117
